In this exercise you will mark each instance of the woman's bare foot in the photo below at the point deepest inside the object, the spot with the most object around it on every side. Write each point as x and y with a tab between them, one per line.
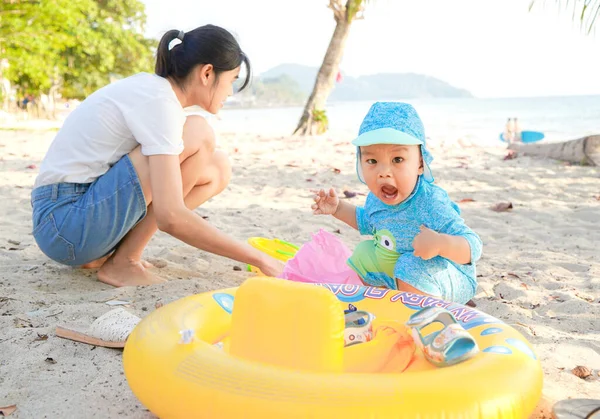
125	272
99	262
147	264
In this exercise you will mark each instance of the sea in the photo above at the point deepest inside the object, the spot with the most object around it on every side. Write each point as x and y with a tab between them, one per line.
474	120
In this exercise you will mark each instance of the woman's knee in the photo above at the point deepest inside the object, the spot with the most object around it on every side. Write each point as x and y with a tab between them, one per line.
222	169
198	137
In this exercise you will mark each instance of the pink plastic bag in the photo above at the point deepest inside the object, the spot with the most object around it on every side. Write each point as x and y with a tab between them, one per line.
321	260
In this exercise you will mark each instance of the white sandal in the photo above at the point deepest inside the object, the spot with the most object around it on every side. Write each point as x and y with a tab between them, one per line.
109	330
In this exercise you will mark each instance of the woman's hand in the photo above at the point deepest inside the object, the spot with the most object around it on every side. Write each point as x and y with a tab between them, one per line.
325	203
271	267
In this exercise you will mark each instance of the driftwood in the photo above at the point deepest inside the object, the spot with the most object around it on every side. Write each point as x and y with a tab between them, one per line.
584	150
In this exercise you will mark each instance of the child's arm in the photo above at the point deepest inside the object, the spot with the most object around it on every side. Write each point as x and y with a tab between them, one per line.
346	212
455	248
446	233
329	203
429	244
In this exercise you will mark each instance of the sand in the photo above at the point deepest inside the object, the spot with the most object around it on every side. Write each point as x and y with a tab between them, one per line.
540	270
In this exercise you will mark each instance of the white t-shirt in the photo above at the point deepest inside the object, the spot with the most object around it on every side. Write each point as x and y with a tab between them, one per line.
139	110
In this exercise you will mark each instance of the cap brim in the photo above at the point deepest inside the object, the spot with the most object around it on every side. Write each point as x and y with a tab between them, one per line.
386	136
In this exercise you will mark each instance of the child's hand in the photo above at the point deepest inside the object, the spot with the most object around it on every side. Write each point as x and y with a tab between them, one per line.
325	203
427	244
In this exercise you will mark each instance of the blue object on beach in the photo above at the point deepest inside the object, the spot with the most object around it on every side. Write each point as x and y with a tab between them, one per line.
449	346
528	136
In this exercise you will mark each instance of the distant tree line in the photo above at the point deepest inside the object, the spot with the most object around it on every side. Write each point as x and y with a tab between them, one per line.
69	47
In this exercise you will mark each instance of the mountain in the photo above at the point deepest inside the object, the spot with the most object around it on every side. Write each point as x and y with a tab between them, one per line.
385	86
303	75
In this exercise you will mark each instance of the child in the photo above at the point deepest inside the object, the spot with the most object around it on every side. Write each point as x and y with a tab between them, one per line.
420	242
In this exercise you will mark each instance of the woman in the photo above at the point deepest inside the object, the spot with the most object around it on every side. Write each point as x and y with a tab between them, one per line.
127	162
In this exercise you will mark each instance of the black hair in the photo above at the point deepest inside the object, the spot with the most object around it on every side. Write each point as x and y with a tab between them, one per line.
208	44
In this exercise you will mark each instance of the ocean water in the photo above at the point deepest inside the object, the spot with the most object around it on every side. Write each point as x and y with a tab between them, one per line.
446	120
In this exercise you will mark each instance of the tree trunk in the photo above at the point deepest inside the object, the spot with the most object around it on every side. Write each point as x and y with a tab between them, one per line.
584	150
325	78
5	88
52	100
5	92
54	89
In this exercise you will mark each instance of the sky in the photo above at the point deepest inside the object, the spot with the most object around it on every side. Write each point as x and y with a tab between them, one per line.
493	48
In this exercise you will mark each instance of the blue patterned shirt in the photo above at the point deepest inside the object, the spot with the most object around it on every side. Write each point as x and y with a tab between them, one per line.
428	205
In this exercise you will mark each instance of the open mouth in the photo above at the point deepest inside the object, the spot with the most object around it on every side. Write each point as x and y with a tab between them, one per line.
389	192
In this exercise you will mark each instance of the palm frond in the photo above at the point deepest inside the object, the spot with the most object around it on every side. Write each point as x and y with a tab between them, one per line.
356	8
586	11
593	20
338	9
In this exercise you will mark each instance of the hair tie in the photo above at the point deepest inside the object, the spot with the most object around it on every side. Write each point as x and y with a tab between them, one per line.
177	40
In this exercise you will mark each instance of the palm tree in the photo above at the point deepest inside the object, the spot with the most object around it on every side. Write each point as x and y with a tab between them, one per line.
586	10
314	118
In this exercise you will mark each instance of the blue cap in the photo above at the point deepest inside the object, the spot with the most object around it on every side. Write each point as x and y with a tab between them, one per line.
393	123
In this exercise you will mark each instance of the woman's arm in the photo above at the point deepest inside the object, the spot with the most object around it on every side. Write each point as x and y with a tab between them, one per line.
174	218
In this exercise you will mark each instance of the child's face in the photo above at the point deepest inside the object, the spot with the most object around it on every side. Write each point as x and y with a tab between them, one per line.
391	171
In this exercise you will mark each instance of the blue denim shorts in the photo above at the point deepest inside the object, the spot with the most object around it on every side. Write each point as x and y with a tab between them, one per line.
76	223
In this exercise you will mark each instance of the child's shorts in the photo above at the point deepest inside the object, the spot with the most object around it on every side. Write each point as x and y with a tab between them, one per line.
77	223
438	276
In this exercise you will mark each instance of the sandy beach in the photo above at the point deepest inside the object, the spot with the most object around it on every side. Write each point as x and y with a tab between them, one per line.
540	270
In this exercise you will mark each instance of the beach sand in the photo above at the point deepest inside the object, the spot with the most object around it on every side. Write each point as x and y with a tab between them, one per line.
540	270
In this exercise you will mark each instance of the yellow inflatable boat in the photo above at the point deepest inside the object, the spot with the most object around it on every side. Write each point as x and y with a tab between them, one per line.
280	354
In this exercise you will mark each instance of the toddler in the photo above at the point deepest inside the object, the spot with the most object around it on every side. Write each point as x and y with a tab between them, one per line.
420	243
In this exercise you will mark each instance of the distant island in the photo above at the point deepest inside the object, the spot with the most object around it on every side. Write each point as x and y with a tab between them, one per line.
290	85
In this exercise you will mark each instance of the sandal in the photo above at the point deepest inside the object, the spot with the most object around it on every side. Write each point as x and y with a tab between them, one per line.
446	347
109	330
359	326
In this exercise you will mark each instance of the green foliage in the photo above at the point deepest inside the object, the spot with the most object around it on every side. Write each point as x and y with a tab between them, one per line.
586	11
353	7
319	116
78	44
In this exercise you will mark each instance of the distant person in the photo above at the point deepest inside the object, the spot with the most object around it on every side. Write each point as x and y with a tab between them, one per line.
517	131
22	104
127	162
509	131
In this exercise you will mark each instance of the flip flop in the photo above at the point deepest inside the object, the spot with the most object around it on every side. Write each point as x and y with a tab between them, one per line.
359	327
109	330
577	409
446	347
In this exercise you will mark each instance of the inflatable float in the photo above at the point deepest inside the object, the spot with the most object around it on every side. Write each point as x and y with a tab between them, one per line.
276	248
275	349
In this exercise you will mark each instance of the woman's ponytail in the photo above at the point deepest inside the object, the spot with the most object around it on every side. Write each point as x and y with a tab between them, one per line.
164	59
